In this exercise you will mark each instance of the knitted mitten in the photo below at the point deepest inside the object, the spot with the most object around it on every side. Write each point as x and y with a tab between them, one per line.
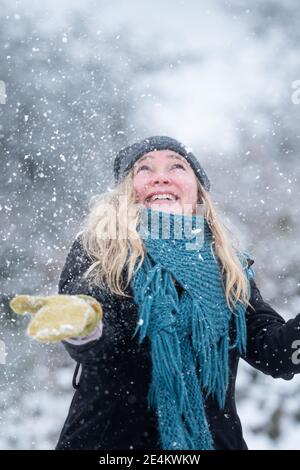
58	317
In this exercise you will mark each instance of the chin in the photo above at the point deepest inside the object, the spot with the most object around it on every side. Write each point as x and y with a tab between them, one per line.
170	208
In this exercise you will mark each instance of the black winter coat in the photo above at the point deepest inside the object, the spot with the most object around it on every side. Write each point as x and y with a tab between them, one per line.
109	407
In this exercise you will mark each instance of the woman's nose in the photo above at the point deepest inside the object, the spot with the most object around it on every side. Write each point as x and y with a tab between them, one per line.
159	178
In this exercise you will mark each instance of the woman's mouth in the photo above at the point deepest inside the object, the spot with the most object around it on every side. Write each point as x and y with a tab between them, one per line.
165	198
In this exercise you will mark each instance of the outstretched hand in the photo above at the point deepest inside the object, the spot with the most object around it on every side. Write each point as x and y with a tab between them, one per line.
58	317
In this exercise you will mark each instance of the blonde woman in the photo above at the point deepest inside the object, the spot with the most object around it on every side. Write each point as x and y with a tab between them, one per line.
180	307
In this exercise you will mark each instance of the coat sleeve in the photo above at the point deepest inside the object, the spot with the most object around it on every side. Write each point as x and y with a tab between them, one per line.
72	282
273	344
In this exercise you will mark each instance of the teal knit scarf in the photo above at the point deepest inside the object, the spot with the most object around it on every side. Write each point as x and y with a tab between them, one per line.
189	334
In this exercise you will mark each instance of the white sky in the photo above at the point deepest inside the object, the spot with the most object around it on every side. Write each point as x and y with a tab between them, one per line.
236	73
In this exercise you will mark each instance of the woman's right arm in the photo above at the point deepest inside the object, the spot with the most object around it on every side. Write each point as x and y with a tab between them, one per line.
86	350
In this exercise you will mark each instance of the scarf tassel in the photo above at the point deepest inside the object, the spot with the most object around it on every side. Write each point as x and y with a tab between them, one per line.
241	330
149	289
165	349
211	355
167	357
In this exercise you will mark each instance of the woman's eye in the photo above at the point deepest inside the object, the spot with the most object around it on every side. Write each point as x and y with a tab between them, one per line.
178	165
141	167
146	167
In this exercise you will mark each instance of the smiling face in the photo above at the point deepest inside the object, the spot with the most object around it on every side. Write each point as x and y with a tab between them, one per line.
164	180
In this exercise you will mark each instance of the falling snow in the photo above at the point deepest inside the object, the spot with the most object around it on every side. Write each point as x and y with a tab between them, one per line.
79	86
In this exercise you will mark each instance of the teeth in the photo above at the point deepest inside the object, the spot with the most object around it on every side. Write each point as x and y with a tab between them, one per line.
163	196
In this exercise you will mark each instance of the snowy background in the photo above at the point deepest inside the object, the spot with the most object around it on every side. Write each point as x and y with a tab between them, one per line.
84	78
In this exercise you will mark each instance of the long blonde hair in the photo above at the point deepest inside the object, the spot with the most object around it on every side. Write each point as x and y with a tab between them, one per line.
110	236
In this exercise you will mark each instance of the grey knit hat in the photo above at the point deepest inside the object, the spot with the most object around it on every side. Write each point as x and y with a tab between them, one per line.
127	156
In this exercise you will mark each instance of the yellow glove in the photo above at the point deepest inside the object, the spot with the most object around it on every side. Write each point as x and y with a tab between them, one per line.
58	317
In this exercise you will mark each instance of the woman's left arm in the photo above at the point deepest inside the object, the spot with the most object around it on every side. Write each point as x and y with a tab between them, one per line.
273	344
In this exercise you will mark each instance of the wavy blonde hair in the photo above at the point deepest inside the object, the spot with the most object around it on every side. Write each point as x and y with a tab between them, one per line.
110	236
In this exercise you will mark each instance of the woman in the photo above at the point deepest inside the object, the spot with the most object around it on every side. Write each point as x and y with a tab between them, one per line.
159	372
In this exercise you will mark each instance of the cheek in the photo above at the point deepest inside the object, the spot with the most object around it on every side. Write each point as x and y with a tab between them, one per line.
140	185
188	186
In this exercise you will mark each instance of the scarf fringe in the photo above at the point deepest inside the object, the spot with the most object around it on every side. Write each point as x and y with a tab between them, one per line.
166	355
167	365
212	357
